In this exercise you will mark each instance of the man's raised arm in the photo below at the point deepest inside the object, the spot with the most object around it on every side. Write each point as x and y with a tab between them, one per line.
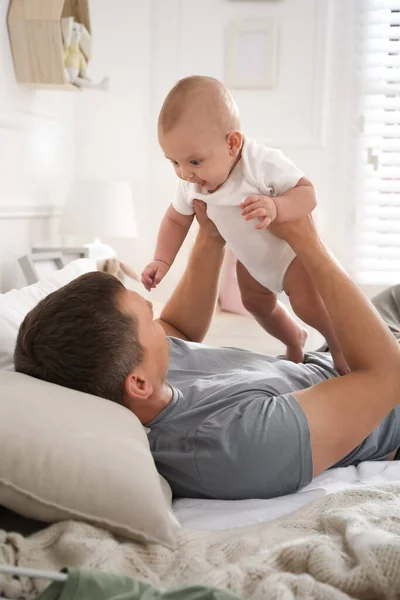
189	311
342	412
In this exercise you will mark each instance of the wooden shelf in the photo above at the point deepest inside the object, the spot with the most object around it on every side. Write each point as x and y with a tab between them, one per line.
36	40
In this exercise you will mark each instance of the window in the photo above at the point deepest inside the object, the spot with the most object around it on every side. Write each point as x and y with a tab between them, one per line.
378	211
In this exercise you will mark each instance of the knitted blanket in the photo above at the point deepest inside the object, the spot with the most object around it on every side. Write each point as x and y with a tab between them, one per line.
345	545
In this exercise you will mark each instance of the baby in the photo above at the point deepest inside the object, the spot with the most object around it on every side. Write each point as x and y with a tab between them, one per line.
240	180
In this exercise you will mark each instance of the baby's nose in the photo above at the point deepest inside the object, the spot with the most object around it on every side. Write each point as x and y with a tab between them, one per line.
186	174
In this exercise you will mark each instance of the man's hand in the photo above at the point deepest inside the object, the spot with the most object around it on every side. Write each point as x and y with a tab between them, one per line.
154	273
293	231
259	207
206	225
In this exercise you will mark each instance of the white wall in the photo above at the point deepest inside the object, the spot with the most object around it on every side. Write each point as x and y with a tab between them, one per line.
36	158
145	47
303	115
112	129
48	138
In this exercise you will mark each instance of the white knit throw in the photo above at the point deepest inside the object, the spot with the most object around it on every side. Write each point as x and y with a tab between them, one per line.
345	545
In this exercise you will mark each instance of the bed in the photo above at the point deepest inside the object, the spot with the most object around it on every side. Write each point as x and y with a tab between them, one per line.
216	515
207	515
338	538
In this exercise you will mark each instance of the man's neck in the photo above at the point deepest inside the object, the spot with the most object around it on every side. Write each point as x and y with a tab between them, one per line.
155	404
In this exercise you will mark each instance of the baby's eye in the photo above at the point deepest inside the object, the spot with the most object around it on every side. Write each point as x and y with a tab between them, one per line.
174	163
195	162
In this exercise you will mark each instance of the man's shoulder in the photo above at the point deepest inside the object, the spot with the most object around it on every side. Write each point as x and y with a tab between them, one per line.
179	349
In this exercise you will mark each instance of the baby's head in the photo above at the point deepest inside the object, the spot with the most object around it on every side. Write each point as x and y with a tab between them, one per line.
198	130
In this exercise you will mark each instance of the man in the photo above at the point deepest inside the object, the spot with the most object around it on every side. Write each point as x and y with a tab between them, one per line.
226	423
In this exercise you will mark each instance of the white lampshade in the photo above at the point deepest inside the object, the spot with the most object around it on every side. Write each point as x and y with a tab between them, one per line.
95	209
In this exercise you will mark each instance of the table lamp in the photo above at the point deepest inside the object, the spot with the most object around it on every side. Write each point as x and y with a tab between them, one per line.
96	209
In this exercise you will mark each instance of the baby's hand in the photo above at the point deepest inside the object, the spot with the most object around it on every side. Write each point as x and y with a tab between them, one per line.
259	207
154	273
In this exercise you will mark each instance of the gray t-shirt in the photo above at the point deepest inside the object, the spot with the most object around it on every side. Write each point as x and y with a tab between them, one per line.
234	430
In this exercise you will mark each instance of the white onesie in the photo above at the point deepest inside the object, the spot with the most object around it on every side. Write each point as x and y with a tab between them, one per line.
260	170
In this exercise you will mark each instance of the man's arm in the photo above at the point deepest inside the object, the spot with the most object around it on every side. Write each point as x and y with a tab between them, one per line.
189	311
342	412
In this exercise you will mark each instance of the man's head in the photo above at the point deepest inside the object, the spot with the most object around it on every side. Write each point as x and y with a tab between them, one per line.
198	130
95	336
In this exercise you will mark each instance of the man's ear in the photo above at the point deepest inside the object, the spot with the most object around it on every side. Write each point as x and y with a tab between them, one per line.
235	142
136	390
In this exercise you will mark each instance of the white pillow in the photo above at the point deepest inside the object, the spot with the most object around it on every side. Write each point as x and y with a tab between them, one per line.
69	455
16	304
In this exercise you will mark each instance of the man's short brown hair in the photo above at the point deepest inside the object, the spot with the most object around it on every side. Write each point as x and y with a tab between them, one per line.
80	338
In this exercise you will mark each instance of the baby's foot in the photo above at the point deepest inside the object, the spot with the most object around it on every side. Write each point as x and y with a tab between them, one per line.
340	363
296	353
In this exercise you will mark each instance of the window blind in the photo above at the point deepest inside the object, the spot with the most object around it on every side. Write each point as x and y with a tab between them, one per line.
378	211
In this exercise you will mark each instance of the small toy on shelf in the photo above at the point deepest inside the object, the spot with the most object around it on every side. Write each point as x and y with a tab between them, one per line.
77	40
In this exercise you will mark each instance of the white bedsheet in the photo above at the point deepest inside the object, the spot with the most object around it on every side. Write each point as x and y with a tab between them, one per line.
222	514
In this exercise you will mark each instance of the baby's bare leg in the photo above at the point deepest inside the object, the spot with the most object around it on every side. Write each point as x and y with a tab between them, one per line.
263	305
308	305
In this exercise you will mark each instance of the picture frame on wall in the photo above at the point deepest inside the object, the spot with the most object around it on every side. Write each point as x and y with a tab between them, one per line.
251	54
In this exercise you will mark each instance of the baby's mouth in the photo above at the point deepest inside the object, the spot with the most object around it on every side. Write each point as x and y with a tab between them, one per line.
205	185
201	183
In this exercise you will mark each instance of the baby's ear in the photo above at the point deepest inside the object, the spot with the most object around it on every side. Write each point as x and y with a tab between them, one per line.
235	142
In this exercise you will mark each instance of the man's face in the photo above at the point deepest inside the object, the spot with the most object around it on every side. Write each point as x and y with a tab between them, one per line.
151	334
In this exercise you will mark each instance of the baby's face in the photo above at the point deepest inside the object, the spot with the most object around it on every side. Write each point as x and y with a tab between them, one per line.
199	154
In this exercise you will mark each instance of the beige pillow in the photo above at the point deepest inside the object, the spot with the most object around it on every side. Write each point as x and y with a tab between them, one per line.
69	455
